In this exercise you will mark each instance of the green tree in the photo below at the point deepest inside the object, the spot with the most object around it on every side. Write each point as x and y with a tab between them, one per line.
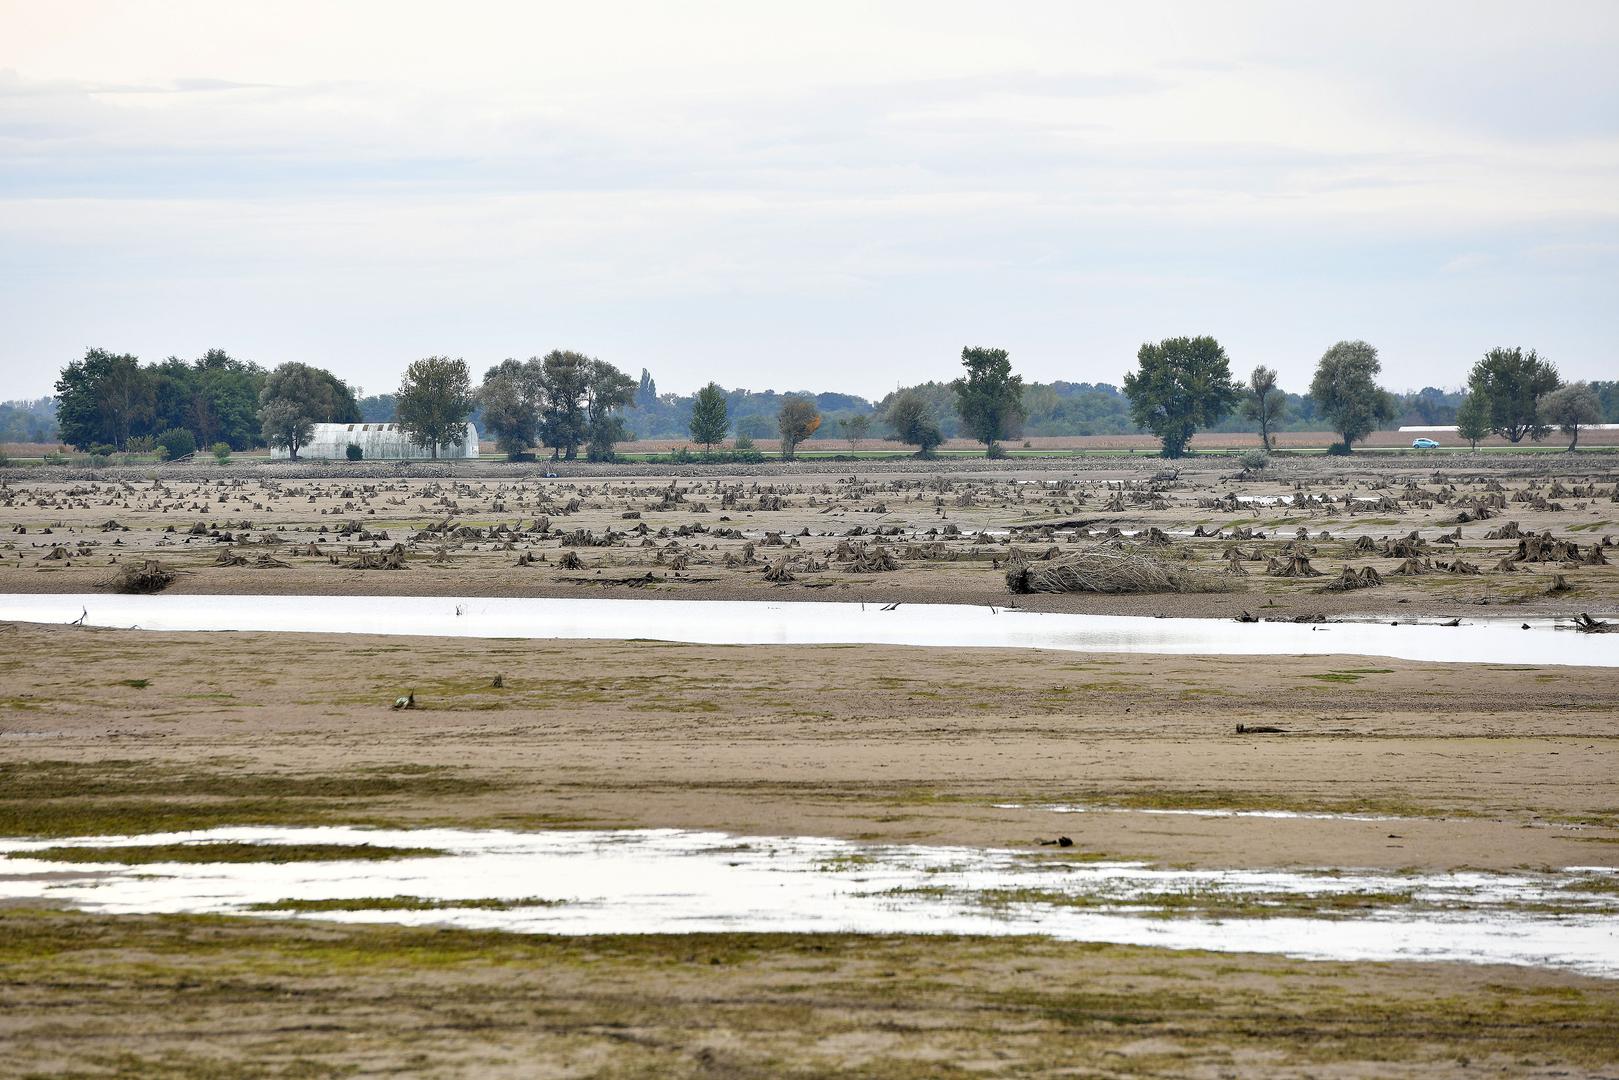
225	399
512	397
1265	403
285	426
911	416
177	443
1346	392
434	400
563	424
1510	383
1179	385
1571	407
855	428
989	398
103	399
608	392
710	419
1473	419
315	392
797	421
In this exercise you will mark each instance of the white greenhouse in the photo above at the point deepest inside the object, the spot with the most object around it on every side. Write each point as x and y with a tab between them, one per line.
377	442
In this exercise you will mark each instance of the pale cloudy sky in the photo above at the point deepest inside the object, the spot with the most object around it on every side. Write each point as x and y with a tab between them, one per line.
822	196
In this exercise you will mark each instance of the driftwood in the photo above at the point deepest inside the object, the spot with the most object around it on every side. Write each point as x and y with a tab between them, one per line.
150	576
1104	570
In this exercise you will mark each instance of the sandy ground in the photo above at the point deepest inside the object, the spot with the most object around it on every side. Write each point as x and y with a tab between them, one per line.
1493	767
1497	767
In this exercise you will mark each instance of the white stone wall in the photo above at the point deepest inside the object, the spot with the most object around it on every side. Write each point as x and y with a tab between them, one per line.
378	442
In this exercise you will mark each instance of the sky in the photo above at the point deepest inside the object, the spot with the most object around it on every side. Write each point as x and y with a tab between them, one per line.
808	196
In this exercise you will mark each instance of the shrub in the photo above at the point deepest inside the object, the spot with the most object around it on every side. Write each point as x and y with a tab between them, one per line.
353	452
221	452
742	442
1339	449
1254	460
5	459
141	444
176	443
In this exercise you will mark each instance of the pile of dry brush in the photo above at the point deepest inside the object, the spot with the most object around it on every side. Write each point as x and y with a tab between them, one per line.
1110	570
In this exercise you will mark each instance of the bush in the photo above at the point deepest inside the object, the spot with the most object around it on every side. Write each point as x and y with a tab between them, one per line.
5	459
1338	449
176	443
1254	460
101	450
140	444
221	452
742	442
353	452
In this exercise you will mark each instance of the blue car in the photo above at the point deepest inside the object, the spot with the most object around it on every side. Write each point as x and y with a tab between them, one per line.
1424	444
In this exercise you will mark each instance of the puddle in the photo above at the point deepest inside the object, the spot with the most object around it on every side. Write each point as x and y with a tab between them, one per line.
754	622
677	881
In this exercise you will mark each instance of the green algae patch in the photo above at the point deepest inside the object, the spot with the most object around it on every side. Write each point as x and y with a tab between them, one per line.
228	852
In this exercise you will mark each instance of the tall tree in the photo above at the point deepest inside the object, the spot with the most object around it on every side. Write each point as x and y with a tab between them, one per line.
797	421
1179	385
1473	419
1265	402
512	396
855	428
1511	383
285	426
608	392
710	419
564	425
1570	408
313	395
989	398
103	399
434	401
1346	392
912	417
225	398
646	394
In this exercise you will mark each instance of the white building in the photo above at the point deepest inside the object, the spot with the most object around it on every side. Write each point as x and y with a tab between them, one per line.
377	442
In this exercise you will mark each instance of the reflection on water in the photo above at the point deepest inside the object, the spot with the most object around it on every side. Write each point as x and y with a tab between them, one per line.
754	622
675	881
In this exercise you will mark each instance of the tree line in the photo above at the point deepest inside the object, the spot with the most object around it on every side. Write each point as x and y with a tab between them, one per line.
567	402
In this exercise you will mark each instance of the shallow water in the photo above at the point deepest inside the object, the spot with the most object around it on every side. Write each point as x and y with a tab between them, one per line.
755	622
676	881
